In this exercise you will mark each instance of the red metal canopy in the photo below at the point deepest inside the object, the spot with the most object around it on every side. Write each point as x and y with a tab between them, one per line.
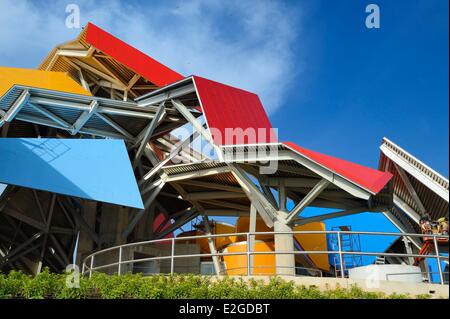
134	59
227	108
368	178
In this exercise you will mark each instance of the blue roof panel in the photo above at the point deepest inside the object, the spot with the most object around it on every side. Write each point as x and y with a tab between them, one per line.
95	169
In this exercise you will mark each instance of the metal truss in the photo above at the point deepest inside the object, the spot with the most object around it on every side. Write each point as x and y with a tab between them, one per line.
201	186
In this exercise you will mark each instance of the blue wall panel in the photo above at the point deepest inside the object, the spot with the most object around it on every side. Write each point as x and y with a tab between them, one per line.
96	169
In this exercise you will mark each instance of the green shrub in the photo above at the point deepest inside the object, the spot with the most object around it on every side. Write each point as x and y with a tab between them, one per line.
85	289
303	292
49	285
423	296
229	288
14	285
44	285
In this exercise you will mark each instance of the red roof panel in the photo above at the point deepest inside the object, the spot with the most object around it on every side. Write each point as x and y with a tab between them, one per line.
228	109
134	59
368	178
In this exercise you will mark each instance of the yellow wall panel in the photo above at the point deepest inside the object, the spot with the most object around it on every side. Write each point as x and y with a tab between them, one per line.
306	241
314	242
262	264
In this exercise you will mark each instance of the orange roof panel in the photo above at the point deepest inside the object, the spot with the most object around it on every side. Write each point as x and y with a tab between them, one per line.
50	80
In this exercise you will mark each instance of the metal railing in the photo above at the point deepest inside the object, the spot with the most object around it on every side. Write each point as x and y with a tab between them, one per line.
88	266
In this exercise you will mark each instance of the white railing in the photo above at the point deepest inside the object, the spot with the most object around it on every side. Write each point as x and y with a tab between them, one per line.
88	266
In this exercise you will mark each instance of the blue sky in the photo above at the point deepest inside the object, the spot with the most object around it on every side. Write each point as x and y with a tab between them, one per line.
328	82
362	84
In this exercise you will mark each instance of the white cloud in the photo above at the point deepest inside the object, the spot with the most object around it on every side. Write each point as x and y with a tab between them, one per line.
242	43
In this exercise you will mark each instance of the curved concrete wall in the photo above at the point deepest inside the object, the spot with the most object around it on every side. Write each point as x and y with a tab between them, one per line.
403	273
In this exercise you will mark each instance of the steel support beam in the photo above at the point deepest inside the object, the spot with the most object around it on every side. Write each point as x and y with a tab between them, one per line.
84	117
159	117
410	188
103	75
226	212
227	204
312	166
407	209
308	199
21	254
420	176
212	245
156	169
178	223
85	226
319	218
60	249
55	118
197	174
20	248
291	182
15	108
115	126
215	195
282	197
48	223
23	218
74	53
402	228
269	195
264	207
211	185
251	243
141	213
201	210
173	94
198	126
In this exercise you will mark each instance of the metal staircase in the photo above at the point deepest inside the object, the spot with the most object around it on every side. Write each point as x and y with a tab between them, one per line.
350	243
381	260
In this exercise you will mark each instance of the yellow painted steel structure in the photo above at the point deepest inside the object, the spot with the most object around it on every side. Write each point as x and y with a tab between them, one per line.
306	241
50	80
262	264
243	224
314	242
220	242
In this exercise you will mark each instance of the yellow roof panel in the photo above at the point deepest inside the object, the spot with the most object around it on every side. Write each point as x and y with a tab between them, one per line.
50	80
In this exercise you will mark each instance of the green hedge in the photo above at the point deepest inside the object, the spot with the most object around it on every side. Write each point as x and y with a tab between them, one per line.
50	285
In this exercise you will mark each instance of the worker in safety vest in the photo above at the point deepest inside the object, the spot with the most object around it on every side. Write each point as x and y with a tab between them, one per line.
443	225
425	224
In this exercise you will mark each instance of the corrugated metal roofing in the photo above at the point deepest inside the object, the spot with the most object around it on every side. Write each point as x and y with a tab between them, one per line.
56	81
189	168
365	177
368	178
233	116
69	108
227	108
434	202
134	59
112	57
